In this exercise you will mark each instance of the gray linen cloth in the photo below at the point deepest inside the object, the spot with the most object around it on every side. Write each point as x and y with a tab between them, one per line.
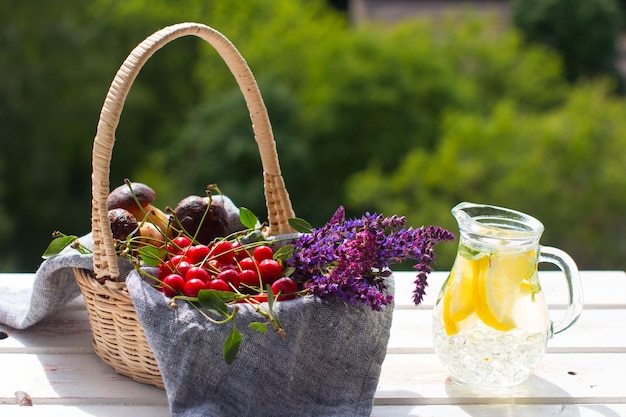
53	286
328	364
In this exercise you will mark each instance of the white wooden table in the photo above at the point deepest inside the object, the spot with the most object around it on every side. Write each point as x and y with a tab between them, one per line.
583	373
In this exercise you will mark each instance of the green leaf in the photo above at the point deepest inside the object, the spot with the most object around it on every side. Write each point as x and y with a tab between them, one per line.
247	218
226	296
300	225
287	271
271	302
469	253
231	347
151	255
258	327
57	245
270	296
284	252
213	302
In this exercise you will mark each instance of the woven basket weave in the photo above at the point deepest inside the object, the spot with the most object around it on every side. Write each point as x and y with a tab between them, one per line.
118	338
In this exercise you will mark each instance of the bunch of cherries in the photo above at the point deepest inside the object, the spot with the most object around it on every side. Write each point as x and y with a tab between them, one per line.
223	266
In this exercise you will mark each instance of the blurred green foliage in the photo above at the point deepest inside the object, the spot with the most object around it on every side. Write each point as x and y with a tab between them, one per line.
585	33
403	119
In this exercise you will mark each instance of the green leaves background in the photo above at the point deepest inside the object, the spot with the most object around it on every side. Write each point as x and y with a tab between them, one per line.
404	119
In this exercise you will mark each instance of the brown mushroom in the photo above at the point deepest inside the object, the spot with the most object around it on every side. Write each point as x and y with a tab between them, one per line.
122	197
151	235
190	214
123	223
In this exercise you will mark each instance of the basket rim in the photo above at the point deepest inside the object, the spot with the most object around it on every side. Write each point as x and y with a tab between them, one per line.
278	203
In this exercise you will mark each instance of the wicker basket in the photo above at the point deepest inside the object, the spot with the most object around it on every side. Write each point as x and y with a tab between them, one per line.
118	337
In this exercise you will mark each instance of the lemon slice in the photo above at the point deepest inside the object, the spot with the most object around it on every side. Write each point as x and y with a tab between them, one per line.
507	277
457	298
448	322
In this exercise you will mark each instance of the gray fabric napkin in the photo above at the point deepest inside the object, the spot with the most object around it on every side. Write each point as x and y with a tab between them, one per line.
328	364
53	286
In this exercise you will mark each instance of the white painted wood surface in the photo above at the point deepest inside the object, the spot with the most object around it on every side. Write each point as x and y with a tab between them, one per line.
582	375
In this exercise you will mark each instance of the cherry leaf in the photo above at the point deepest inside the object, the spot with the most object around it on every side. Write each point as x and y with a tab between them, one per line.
247	218
213	302
258	327
151	256
57	245
231	347
226	296
270	296
284	252
300	225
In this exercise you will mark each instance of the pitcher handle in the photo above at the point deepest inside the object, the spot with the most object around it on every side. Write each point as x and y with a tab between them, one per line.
566	264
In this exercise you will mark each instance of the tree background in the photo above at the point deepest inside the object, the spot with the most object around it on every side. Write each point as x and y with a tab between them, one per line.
407	119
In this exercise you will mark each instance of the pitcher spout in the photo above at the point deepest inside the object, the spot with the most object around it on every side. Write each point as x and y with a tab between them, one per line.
482	221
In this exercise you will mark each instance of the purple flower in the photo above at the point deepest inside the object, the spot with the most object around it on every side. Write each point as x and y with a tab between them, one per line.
350	259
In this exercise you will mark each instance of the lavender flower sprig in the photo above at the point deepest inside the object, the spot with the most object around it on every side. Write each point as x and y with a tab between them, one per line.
350	259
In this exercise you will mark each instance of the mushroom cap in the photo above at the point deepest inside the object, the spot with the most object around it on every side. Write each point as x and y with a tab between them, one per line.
123	223
122	197
190	212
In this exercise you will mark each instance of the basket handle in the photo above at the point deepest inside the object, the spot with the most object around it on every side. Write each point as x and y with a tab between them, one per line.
276	197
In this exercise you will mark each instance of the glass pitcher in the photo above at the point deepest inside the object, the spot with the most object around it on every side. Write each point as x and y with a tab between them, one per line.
490	321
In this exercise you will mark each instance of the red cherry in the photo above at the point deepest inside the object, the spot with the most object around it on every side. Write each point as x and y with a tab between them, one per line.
182	241
256	298
197	254
239	251
262	252
172	285
219	285
260	298
193	287
197	272
178	264
224	267
165	269
249	277
248	264
183	267
270	270
229	275
212	266
178	245
223	252
178	258
287	288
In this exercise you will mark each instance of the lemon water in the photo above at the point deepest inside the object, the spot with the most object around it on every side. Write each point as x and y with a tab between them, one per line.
491	321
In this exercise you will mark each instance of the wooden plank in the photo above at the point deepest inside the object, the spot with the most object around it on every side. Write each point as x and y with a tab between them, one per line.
66	331
561	378
596	331
38	410
601	289
405	380
517	410
71	379
17	280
